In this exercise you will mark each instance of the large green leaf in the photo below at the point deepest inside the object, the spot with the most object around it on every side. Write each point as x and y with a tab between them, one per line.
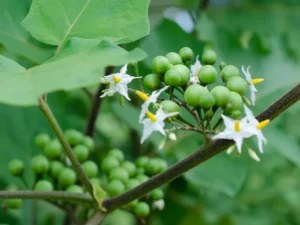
53	22
81	63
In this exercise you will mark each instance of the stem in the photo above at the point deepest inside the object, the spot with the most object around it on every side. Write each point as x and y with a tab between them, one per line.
96	106
68	150
209	150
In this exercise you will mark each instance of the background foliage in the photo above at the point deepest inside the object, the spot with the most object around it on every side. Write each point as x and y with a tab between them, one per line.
225	190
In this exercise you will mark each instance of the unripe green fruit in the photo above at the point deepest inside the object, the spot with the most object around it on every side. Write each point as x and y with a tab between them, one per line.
43	185
142	178
173	78
151	81
39	164
53	149
115	187
157	194
42	140
185	72
132	183
88	142
236	114
154	166
222	65
16	167
169	107
174	58
140	170
119	174
117	153
229	71
13	203
74	137
186	54
209	57
237	84
160	64
142	209
81	152
162	164
55	168
193	93
235	101
131	204
141	161
90	168
221	95
109	163
75	189
130	167
67	177
206	101
207	74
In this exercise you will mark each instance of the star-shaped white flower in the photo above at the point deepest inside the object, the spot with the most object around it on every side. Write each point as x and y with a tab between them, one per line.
118	83
155	122
236	130
194	79
251	82
148	100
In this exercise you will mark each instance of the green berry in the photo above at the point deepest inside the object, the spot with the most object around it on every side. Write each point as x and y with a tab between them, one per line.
140	171
13	203
169	107
142	209
117	153
119	174
162	164
193	93
90	168
142	178
67	177
132	183
237	84
174	58
185	72
130	167
229	71
236	114
39	164
221	95
74	137
173	78
207	74
81	152
53	149
209	57
115	187
160	64
157	194
222	65
55	168
153	166
206	101
186	54
141	161
75	189
43	185
235	101
88	142
151	81
42	140
131	204
16	167
109	163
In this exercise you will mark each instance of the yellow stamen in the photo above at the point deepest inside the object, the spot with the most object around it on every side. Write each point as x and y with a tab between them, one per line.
237	126
142	95
117	79
151	116
256	81
262	124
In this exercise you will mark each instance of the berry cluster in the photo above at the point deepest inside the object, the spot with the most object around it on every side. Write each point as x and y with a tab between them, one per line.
123	175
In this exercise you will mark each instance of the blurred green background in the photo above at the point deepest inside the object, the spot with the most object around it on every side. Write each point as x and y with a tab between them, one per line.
226	190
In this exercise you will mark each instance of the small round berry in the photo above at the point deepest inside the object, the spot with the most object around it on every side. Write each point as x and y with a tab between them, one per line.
153	166
140	170
88	142
67	177
130	167
209	57
117	153
131	204
90	168
169	106
229	71
193	93
174	58
221	95
142	178
39	164
160	64
81	152
16	167
207	74
109	163
43	185
132	183
55	168
235	101
236	114
151	81
173	77
162	164
74	137
237	84
119	174
206	101
157	194
75	189
141	161
53	149
13	203
186	54
185	72
42	140
115	187
142	209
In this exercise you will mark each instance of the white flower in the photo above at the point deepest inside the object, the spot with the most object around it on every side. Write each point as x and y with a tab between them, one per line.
158	204
118	83
251	82
148	100
194	79
155	122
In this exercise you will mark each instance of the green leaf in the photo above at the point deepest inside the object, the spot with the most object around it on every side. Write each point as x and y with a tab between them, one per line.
80	63
54	22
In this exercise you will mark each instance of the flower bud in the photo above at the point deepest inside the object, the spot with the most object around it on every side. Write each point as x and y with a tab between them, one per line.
172	136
